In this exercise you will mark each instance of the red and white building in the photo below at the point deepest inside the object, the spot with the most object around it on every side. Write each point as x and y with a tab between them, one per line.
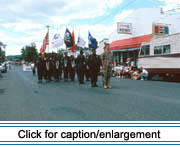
128	45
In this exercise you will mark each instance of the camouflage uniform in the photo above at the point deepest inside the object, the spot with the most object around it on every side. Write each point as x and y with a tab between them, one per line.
107	58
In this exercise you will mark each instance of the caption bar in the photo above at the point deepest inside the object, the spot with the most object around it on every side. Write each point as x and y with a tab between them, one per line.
90	133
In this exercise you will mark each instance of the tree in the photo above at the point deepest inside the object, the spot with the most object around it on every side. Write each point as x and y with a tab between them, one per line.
29	53
2	53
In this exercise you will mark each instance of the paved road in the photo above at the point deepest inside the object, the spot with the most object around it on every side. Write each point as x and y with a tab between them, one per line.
23	99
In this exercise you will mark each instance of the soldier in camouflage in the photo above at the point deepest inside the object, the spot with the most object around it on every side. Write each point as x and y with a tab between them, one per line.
107	63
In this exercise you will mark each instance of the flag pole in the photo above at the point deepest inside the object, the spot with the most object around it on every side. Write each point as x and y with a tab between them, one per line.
48	36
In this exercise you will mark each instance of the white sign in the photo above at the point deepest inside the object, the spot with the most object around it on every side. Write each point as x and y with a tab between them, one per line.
124	28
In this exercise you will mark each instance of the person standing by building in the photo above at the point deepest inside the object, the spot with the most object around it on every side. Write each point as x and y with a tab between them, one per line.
81	67
94	63
107	63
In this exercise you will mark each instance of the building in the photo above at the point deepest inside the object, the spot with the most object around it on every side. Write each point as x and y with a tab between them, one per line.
127	45
126	48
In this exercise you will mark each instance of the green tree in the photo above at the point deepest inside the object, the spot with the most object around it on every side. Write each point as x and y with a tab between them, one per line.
29	53
2	53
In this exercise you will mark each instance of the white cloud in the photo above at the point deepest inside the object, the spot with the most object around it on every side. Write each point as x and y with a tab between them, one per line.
113	3
24	21
23	26
43	11
121	16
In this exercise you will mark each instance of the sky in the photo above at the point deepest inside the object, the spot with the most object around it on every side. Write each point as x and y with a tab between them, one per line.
23	22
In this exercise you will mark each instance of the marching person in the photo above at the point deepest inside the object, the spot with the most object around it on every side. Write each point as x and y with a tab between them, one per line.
40	69
73	67
81	67
60	67
107	61
48	69
87	70
56	69
44	68
66	66
94	67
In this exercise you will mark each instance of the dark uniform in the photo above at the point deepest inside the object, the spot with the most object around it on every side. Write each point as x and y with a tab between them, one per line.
87	70
40	69
66	67
81	67
49	69
58	69
73	68
61	67
44	69
94	62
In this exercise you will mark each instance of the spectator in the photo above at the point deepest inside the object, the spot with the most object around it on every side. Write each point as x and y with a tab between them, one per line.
126	70
135	75
121	72
144	74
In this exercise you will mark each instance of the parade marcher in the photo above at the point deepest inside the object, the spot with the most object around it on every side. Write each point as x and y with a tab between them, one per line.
53	68
44	68
87	72
48	69
94	62
107	61
73	68
66	66
40	69
58	69
81	67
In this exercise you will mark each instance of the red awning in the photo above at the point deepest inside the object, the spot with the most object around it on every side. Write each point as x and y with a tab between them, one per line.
134	42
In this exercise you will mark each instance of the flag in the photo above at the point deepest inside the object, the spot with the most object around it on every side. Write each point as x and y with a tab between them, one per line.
81	42
57	41
68	38
73	46
45	43
92	41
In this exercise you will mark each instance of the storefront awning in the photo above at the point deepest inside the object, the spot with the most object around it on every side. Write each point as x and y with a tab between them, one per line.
130	43
125	50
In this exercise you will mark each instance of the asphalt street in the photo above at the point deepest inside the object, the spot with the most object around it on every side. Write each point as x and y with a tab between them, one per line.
23	99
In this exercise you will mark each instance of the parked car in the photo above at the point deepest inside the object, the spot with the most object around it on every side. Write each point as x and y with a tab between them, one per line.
3	67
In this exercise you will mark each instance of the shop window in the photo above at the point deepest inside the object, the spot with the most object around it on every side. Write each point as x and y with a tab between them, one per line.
165	49
145	50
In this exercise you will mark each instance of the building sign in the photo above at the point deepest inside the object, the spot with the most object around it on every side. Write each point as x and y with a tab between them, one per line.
160	29
124	28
